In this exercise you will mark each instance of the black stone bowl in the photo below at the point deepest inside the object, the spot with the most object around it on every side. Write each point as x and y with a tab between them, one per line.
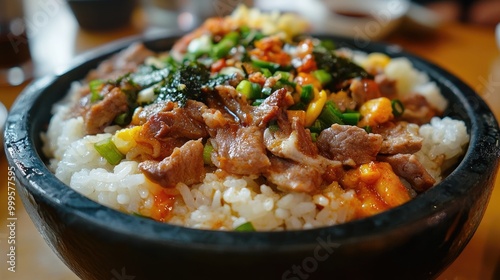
417	240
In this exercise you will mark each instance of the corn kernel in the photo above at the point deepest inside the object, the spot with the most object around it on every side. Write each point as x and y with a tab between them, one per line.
376	111
124	139
376	61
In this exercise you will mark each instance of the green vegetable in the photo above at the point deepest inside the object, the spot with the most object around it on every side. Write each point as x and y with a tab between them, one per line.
327	44
259	101
95	87
266	72
123	119
322	76
317	126
245	227
207	153
397	107
271	66
351	118
330	114
108	150
249	90
368	129
307	94
340	68
267	91
314	136
273	127
225	45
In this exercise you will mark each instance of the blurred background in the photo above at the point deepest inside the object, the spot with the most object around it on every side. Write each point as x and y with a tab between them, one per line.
43	37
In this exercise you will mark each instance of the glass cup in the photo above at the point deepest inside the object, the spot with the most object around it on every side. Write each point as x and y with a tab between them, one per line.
15	59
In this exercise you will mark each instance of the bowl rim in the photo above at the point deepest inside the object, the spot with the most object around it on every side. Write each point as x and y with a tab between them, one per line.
39	182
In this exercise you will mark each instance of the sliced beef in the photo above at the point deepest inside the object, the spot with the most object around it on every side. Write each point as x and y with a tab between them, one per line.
363	90
271	108
386	86
169	120
350	145
101	114
122	63
399	138
418	110
185	164
235	104
291	141
408	167
292	176
239	150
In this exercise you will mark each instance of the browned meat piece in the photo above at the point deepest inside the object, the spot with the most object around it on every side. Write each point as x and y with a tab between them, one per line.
350	145
142	114
408	167
364	90
270	108
185	164
418	110
168	120
292	176
122	63
291	141
150	148
399	138
235	104
293	146
180	122
102	114
239	150
386	86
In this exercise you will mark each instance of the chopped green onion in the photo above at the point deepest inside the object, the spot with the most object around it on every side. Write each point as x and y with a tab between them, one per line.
266	72
207	153
317	126
307	93
95	87
249	90
367	128
330	114
273	127
267	91
284	75
298	106
351	118
259	101
322	76
328	44
245	227
222	48
271	66
314	136
122	119
108	150
397	107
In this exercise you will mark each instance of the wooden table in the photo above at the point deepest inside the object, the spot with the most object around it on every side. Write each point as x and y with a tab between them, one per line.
470	52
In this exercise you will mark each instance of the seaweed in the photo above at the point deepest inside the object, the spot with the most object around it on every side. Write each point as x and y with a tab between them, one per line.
341	68
184	83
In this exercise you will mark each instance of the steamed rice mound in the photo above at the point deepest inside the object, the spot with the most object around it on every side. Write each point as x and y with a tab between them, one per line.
224	201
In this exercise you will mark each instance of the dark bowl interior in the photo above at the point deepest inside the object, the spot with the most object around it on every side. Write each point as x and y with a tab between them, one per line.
102	14
417	240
